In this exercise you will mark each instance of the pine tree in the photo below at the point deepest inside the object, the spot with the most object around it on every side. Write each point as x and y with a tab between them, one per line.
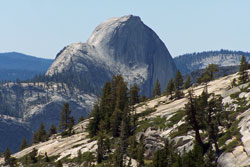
94	122
7	156
243	78
116	157
122	95
178	80
106	105
80	119
213	120
178	84
210	159
166	156
208	75
40	135
134	95
33	155
24	144
100	148
157	89
52	130
132	149
211	69
8	159
59	164
187	83
140	153
116	84
115	122
170	88
65	117
191	109
123	141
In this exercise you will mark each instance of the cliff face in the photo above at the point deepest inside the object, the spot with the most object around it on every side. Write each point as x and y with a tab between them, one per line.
123	46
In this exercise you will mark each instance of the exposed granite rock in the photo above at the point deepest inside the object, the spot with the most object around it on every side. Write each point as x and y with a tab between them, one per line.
124	46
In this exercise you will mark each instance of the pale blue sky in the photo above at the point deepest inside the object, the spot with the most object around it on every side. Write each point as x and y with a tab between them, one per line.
43	27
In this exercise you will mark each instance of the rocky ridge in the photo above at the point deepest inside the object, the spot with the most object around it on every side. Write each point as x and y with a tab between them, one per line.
15	65
188	63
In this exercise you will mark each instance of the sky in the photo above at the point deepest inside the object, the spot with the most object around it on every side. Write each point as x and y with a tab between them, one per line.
42	28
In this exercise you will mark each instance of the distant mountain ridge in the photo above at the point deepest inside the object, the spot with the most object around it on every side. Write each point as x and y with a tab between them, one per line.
15	65
188	63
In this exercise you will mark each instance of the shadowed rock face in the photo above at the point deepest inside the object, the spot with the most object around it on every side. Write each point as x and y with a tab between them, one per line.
119	46
12	133
24	106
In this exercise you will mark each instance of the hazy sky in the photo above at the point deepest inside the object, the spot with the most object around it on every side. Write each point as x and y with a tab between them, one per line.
43	27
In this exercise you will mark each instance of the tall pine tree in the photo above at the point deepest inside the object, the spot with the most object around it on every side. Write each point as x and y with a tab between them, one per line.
65	117
93	125
170	88
140	153
187	83
24	144
100	147
157	89
178	84
243	78
134	95
192	113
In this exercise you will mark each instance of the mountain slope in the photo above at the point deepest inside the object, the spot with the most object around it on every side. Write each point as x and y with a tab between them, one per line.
191	62
123	46
155	136
15	65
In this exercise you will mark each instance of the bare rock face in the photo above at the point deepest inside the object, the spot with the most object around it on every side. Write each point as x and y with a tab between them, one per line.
123	46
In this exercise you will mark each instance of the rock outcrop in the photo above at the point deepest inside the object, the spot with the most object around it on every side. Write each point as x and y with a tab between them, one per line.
123	46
